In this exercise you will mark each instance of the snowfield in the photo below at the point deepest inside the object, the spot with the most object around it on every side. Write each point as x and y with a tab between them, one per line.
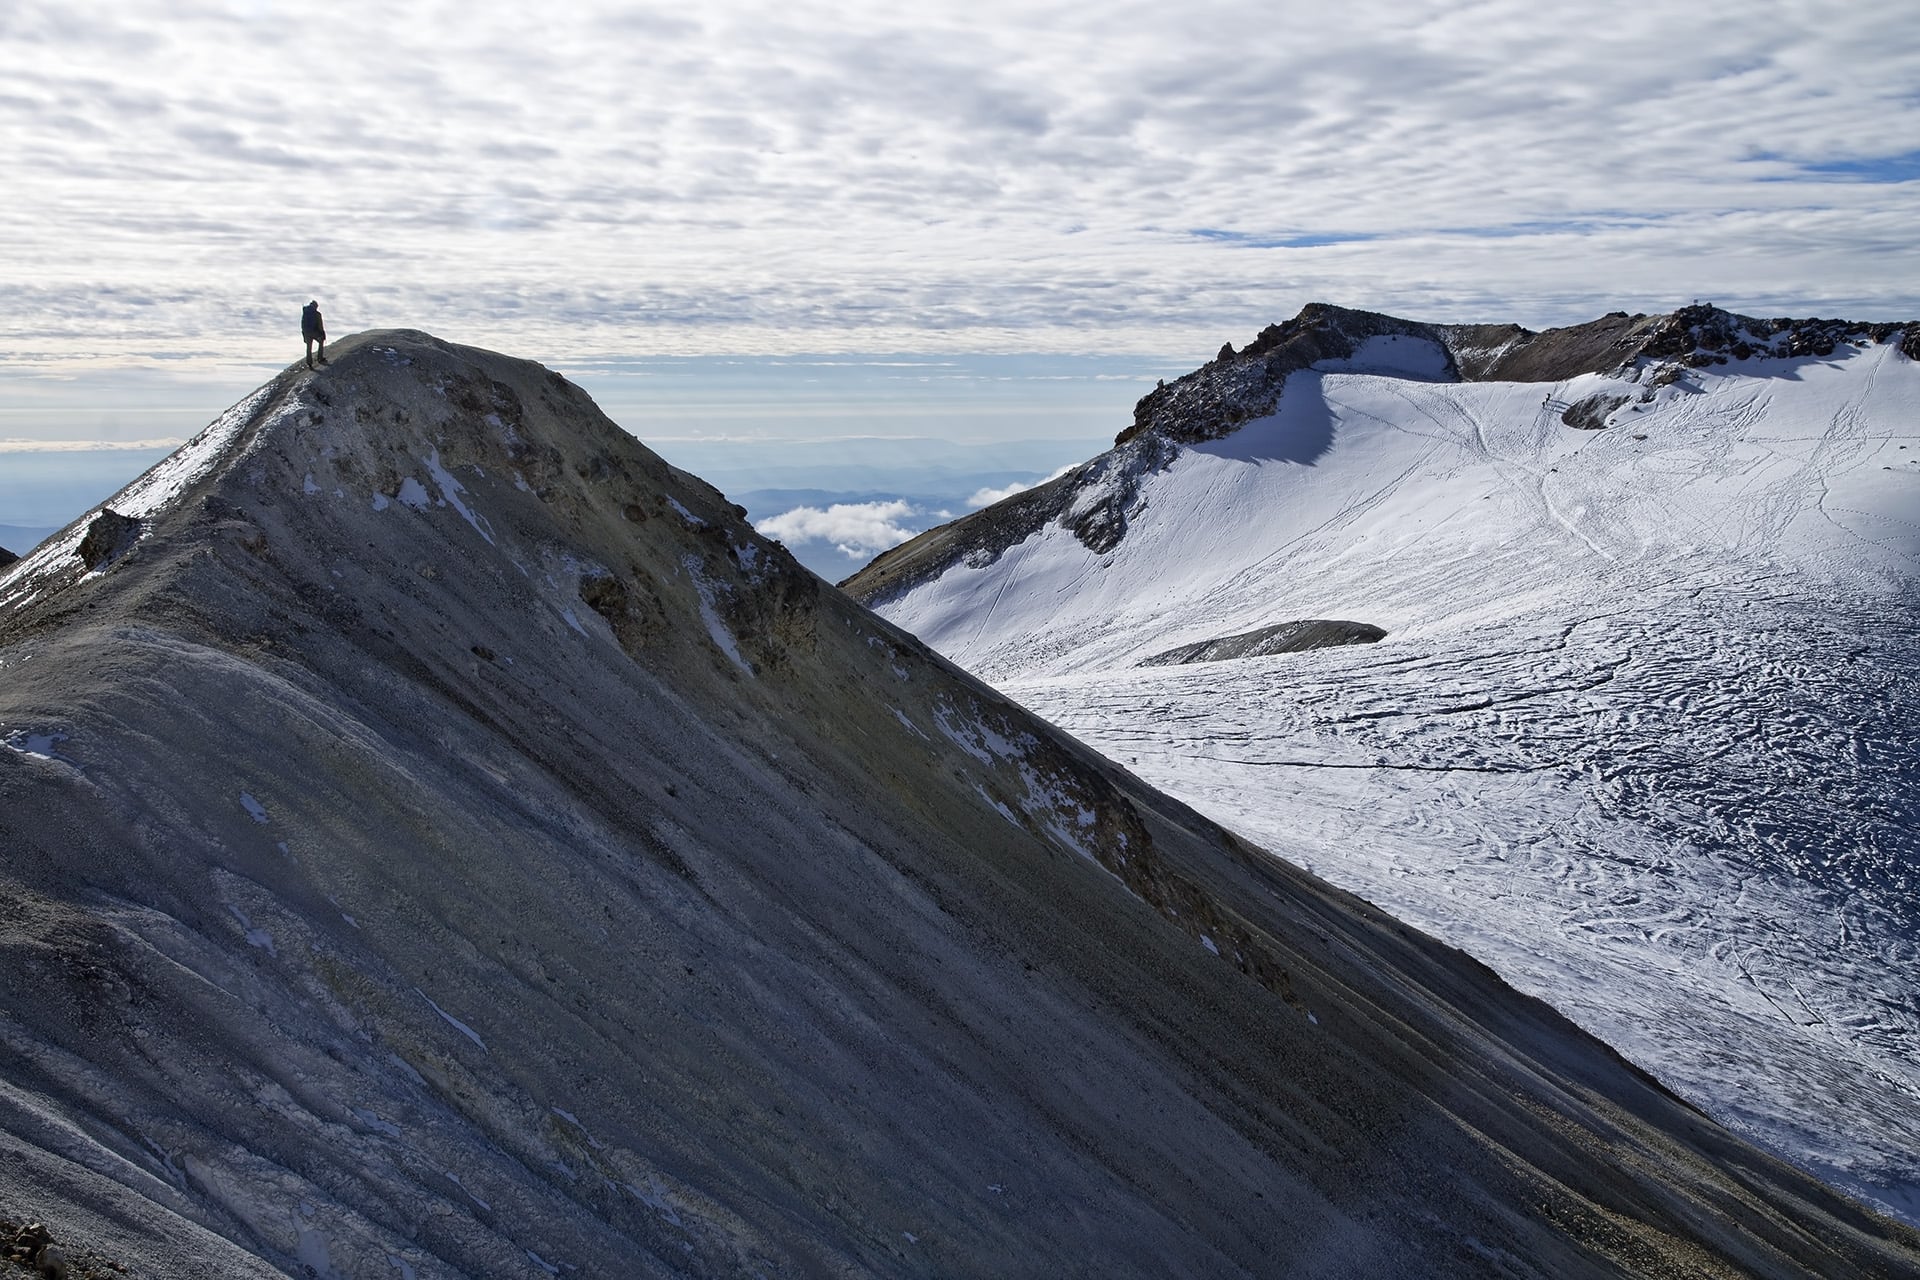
1641	734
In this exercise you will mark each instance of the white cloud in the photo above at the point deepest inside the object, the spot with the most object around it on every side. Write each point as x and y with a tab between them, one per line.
16	445
858	530
883	178
987	497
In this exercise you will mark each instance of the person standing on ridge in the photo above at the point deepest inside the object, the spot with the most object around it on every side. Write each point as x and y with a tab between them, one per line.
313	329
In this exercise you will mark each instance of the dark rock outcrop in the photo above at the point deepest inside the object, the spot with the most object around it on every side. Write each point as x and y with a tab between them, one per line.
1591	413
6	557
110	534
1509	353
33	1251
1702	335
1283	637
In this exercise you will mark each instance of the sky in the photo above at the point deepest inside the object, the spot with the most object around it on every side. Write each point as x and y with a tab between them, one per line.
1017	189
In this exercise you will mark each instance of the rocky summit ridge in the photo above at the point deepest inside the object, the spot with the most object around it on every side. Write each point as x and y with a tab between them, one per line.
443	839
1237	386
1240	386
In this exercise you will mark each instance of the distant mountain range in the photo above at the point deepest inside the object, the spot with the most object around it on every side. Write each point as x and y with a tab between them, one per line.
442	839
1638	733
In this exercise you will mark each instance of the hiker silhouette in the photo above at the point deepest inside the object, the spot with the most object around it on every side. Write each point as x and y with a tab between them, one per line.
314	330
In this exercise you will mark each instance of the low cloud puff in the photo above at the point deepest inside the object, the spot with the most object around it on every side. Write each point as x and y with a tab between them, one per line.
858	530
90	446
987	497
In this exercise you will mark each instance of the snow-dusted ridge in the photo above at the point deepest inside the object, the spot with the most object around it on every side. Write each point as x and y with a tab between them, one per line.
1096	500
1639	735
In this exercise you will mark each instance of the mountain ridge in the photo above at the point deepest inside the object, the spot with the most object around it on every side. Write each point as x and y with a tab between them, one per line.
1237	387
444	839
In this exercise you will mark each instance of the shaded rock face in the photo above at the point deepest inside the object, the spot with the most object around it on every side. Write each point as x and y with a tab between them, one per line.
1238	387
457	845
6	557
31	1250
1592	412
108	534
1702	335
1284	637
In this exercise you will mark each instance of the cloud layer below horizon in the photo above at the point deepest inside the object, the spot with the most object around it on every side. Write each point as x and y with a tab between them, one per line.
757	177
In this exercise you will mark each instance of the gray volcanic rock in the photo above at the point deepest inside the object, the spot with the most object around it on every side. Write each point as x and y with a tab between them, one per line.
108	534
1591	412
1096	499
6	557
1282	637
450	842
30	1250
1703	335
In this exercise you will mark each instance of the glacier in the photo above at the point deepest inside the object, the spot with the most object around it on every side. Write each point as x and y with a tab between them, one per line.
1639	735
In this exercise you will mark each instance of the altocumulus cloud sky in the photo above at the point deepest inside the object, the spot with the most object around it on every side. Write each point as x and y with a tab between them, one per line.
1064	176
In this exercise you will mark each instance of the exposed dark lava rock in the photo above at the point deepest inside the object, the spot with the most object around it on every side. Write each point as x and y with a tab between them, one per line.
1591	413
6	557
1282	637
31	1250
1702	335
110	534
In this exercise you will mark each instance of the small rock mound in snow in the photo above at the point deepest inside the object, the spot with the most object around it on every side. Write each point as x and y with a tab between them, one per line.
1592	412
1282	637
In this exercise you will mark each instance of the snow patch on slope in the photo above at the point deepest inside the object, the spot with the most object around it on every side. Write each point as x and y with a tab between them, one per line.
1397	356
450	491
709	595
